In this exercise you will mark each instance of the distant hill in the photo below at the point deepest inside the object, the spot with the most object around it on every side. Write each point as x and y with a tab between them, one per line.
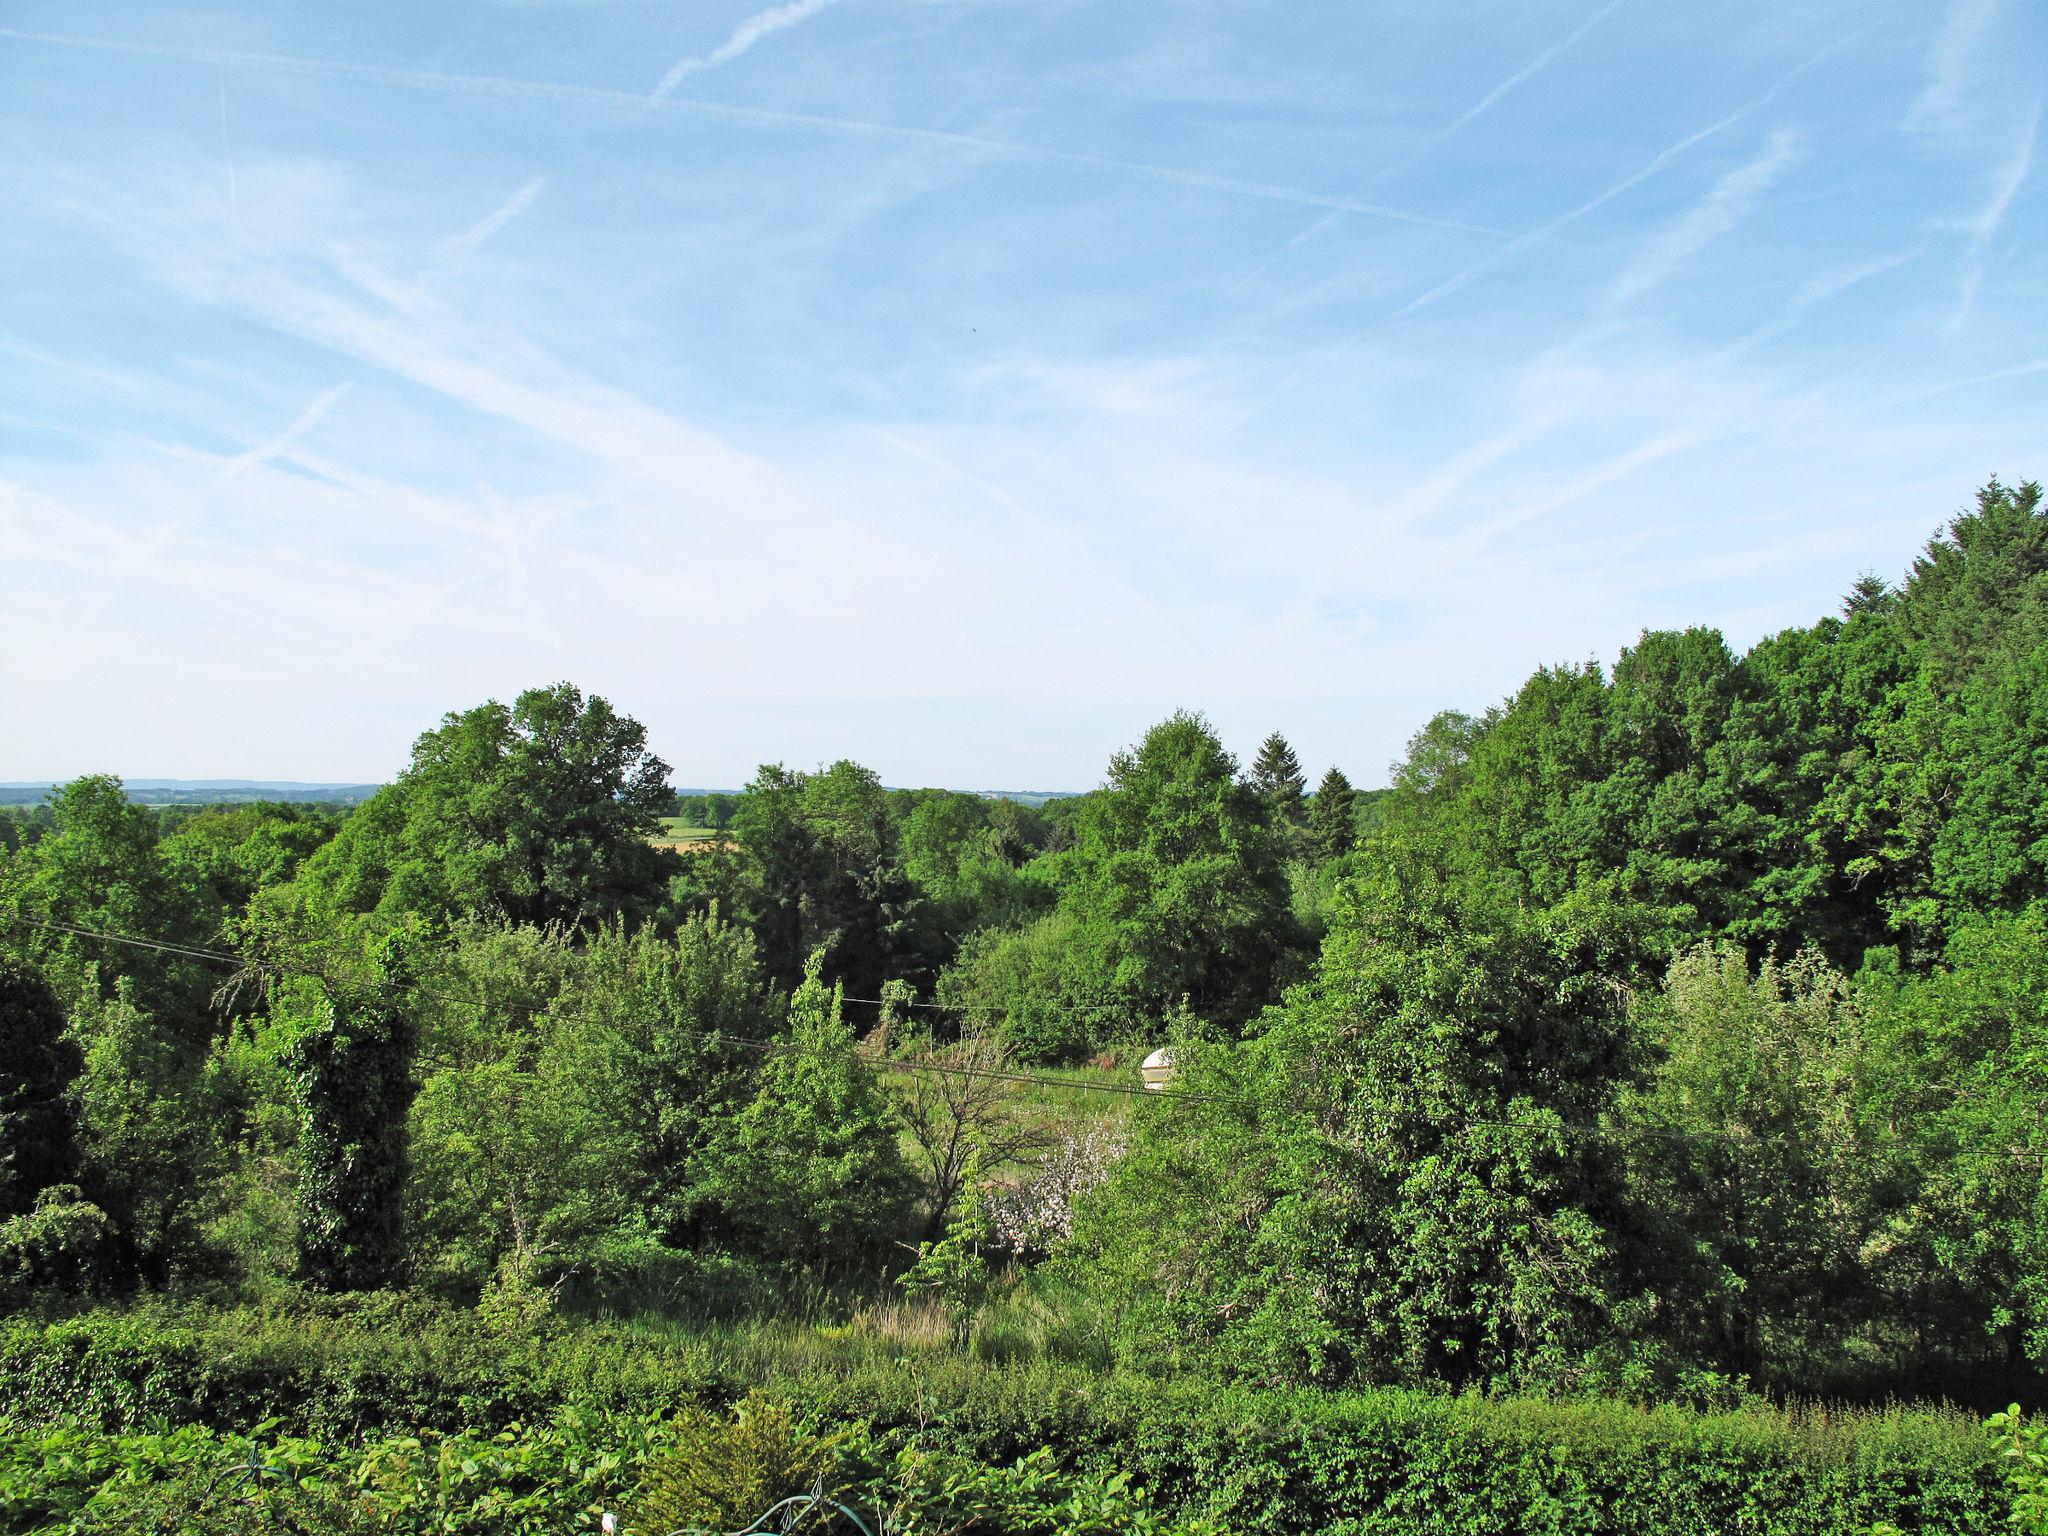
204	791
241	791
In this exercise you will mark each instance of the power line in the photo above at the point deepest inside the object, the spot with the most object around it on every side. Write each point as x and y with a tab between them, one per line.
239	961
1558	1128
993	1008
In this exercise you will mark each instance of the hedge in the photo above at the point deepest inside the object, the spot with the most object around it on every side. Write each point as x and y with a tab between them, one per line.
1391	1461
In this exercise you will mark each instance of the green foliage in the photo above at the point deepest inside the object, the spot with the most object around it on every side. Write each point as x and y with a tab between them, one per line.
64	1244
966	854
1277	776
539	814
719	1474
1958	1069
953	1269
1333	817
1174	889
38	1065
237	851
821	871
149	1155
350	1066
102	869
809	1174
501	1435
1759	1190
1036	987
2023	1449
1384	1185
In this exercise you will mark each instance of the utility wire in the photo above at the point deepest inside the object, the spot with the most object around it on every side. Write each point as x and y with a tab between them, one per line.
1465	1122
221	956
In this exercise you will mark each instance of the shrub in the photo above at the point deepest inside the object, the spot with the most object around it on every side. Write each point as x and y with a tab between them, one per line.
720	1474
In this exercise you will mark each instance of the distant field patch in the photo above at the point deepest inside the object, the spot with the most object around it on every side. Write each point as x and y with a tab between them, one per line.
675	833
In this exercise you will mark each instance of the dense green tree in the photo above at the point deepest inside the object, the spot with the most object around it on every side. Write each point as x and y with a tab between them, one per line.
39	1063
1758	1191
964	854
1956	1076
1174	888
1039	989
664	1052
539	813
809	1175
101	869
1277	776
1393	1181
236	851
151	1152
1333	816
821	870
348	1055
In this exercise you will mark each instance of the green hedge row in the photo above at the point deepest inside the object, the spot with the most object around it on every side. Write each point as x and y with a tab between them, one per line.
1393	1462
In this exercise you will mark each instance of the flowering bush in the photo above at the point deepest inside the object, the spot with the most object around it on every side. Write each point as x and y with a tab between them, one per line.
1030	1217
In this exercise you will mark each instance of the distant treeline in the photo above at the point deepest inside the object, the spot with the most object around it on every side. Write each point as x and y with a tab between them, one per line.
209	792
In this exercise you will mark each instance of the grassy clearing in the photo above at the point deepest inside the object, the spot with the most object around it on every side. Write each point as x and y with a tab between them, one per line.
676	833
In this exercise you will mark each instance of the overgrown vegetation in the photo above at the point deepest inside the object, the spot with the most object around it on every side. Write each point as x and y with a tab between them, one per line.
1670	1034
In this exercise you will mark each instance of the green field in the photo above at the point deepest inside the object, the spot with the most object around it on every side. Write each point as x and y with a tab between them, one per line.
675	832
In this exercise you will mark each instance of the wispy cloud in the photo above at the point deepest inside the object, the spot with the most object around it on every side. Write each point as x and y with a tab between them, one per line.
303	423
760	117
1948	64
1731	200
2006	181
749	32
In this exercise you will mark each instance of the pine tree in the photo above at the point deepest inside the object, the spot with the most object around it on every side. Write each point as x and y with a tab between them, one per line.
1332	829
1277	776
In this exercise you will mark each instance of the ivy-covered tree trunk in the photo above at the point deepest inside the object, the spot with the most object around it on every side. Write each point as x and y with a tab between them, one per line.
349	1054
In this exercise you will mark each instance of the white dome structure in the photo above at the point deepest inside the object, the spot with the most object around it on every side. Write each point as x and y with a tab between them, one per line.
1157	1069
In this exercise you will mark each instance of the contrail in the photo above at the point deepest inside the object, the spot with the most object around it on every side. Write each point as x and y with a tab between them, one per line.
1537	236
307	420
1470	114
487	226
596	96
1732	200
2012	175
1534	66
1948	63
228	153
744	36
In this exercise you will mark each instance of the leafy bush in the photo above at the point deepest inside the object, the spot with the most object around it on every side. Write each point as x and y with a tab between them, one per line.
719	1474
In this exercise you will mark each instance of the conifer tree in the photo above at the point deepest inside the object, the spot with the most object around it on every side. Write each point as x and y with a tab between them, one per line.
1277	776
1333	832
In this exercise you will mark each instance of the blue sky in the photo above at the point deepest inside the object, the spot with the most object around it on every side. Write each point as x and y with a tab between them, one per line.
962	385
